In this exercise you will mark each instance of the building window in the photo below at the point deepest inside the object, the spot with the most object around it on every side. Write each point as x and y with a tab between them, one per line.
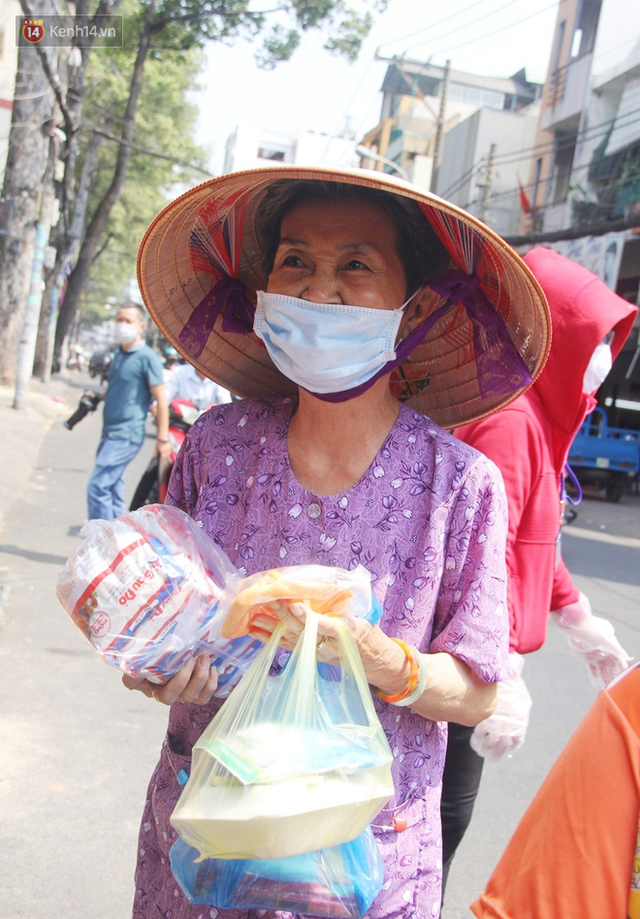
557	54
565	149
472	96
586	28
270	153
492	99
575	44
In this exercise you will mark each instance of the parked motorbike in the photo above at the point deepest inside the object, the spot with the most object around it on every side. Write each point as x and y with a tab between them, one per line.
99	364
152	487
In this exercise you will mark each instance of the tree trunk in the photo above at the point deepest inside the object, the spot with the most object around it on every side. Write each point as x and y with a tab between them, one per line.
70	94
67	244
80	274
26	163
29	332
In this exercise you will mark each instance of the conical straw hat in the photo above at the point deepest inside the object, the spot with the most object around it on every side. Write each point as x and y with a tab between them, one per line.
209	235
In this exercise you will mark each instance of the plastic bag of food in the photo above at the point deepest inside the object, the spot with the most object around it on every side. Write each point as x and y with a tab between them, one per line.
324	589
293	762
144	590
340	882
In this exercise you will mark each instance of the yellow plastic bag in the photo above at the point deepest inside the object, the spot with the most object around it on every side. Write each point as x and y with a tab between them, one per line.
293	762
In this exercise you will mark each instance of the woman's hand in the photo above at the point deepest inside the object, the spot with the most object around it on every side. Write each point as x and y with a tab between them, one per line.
453	691
195	682
294	613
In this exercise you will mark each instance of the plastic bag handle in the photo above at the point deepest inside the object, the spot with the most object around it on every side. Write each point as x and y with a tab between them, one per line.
350	656
304	661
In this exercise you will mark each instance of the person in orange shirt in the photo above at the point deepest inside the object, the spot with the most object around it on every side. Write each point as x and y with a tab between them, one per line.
576	852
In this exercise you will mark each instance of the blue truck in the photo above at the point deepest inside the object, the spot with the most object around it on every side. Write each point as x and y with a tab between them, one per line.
605	458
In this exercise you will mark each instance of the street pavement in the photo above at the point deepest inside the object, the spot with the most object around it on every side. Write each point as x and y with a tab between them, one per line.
77	749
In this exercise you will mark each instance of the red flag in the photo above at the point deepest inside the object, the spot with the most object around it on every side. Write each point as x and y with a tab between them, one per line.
525	204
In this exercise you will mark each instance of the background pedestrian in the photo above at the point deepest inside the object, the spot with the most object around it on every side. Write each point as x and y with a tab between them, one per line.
135	379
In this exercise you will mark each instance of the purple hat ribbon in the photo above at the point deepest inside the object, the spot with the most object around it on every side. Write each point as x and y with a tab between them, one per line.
500	368
229	296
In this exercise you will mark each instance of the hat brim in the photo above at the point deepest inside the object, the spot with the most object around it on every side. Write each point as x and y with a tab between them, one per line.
439	379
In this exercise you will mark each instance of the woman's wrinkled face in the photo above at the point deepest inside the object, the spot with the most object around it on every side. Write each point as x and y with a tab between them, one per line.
339	252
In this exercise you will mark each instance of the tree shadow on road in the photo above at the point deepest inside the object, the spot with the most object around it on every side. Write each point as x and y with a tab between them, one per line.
44	557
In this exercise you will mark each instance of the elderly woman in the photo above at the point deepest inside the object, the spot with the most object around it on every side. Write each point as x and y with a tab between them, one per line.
348	307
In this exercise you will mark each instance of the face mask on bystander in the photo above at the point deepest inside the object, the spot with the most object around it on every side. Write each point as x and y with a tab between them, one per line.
126	333
598	368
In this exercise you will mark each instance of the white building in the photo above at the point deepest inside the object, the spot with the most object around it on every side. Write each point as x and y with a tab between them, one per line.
251	146
482	164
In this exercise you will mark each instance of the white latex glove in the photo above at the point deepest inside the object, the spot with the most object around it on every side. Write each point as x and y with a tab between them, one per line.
593	638
503	732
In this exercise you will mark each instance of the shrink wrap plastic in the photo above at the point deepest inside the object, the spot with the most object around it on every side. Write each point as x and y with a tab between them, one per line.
144	590
150	589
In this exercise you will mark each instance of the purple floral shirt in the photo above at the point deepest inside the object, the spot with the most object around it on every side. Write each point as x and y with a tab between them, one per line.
428	521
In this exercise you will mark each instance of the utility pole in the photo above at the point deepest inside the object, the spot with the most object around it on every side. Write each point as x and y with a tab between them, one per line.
438	118
485	201
442	114
409	79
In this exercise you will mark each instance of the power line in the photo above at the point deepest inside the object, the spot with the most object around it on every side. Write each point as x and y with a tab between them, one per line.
345	113
434	25
466	176
153	153
466	25
479	38
576	170
592	132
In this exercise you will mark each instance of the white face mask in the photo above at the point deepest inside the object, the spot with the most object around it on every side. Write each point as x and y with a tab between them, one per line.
126	333
326	347
599	366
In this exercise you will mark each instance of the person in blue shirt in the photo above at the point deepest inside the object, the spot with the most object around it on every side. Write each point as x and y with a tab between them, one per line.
135	380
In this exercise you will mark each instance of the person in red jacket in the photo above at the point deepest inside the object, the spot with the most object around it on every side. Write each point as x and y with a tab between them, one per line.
529	441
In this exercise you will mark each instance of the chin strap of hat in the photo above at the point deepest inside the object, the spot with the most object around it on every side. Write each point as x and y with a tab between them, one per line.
227	296
500	368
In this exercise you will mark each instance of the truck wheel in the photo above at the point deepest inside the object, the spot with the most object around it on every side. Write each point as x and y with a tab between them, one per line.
615	487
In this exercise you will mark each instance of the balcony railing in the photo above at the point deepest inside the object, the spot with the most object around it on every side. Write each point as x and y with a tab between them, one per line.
565	94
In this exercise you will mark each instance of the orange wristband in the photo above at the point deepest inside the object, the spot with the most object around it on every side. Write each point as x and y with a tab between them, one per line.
414	676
